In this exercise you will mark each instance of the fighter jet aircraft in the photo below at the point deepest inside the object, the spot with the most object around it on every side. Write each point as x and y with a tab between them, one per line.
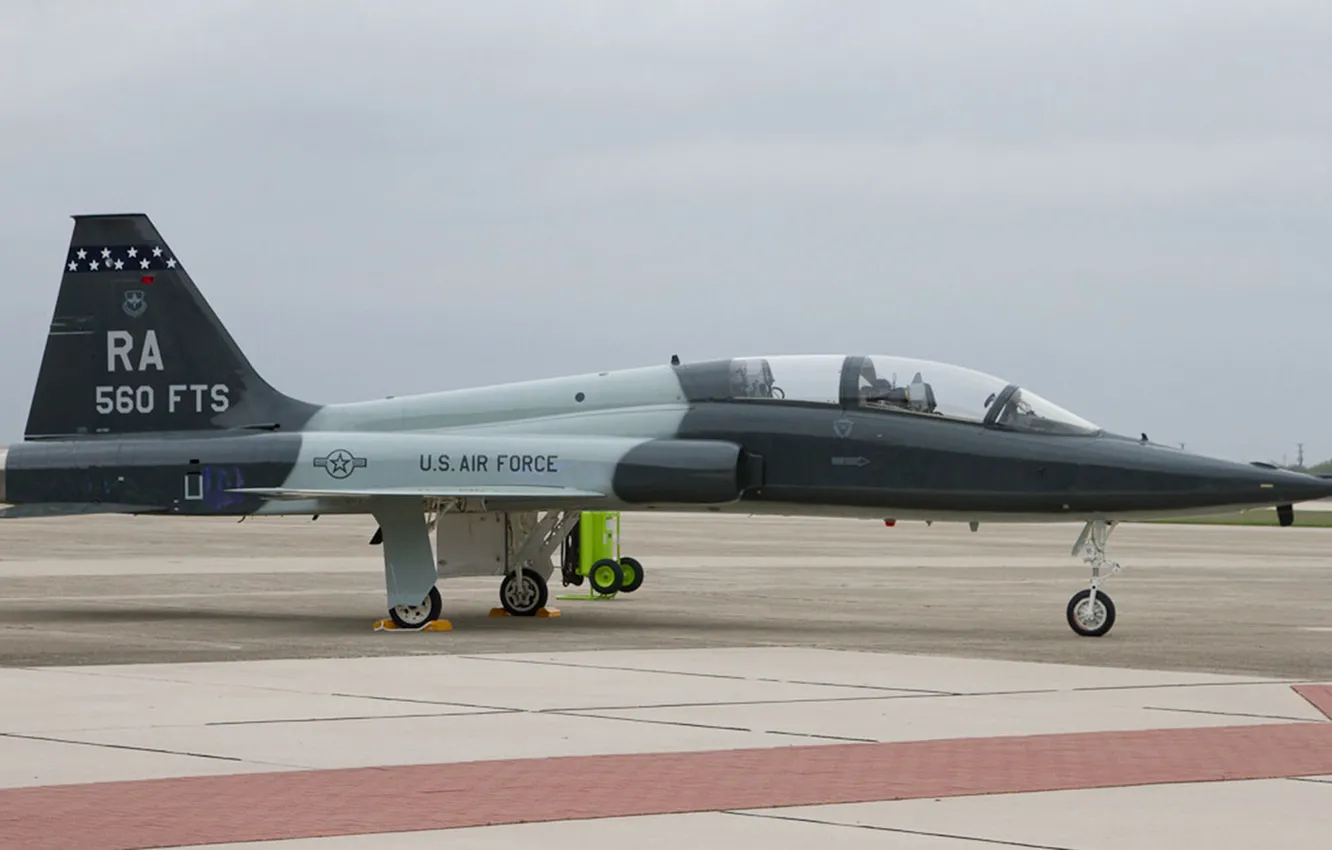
144	404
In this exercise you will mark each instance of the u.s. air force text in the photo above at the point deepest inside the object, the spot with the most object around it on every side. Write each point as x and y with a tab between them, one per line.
490	463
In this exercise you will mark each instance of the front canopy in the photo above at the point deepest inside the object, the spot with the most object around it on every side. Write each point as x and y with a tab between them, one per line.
881	382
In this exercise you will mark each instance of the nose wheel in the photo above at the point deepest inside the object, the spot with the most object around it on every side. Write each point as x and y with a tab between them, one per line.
1091	612
1091	617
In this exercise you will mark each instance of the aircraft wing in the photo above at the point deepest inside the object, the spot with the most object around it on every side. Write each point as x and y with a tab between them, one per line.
511	491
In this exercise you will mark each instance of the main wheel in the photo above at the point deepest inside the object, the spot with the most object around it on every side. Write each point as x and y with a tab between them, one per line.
417	616
606	577
1091	620
633	574
525	594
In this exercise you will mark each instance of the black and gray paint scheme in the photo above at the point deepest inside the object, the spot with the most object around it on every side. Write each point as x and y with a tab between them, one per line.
144	404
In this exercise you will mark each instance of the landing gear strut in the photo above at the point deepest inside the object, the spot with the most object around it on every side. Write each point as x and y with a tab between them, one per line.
1091	613
409	565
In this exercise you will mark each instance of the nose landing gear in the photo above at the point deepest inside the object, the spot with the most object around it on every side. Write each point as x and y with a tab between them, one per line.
1091	612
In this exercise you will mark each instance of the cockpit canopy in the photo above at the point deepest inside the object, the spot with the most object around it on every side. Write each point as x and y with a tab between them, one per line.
881	382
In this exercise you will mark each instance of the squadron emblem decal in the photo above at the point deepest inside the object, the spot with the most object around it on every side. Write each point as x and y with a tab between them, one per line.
135	304
842	427
340	463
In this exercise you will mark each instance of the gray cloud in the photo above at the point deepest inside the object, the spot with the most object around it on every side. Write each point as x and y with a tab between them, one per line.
1125	206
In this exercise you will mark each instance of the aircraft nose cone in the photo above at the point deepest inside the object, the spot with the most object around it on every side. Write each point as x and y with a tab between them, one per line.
1291	487
1168	479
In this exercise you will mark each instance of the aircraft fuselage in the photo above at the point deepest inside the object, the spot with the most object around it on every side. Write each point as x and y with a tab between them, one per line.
625	447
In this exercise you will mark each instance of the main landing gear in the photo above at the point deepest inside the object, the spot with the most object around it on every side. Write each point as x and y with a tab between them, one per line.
414	603
518	546
1091	613
418	616
524	591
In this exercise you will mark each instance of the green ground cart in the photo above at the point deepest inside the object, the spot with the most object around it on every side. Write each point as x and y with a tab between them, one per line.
592	552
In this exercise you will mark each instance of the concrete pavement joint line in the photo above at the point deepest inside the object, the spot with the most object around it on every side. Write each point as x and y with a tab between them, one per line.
816	735
51	740
565	713
1019	693
80	671
1173	685
900	831
1232	714
728	703
377	717
766	679
811	735
604	667
1312	779
925	691
499	709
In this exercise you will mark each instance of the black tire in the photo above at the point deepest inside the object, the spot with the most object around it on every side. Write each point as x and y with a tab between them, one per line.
527	598
605	576
412	617
1103	603
633	574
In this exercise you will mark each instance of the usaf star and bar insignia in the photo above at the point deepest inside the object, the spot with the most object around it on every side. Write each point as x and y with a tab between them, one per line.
340	463
115	258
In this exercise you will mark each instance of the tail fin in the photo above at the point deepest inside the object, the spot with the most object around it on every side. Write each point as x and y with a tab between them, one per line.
134	347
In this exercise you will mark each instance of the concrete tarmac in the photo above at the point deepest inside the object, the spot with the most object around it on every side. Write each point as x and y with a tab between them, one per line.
1231	600
784	681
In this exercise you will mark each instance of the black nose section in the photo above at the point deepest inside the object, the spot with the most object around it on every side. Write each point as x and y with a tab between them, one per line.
1286	487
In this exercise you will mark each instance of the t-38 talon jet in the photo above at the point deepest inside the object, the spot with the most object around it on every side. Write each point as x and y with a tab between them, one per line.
145	405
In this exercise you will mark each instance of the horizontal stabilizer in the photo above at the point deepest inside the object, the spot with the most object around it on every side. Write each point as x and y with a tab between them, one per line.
529	491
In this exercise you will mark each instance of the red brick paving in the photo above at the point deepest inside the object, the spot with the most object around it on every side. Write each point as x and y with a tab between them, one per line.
307	804
1319	695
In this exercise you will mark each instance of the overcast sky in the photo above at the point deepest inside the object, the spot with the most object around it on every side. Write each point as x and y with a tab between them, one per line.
1125	206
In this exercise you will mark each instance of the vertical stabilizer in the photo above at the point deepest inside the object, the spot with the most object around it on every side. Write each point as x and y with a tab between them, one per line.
134	347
